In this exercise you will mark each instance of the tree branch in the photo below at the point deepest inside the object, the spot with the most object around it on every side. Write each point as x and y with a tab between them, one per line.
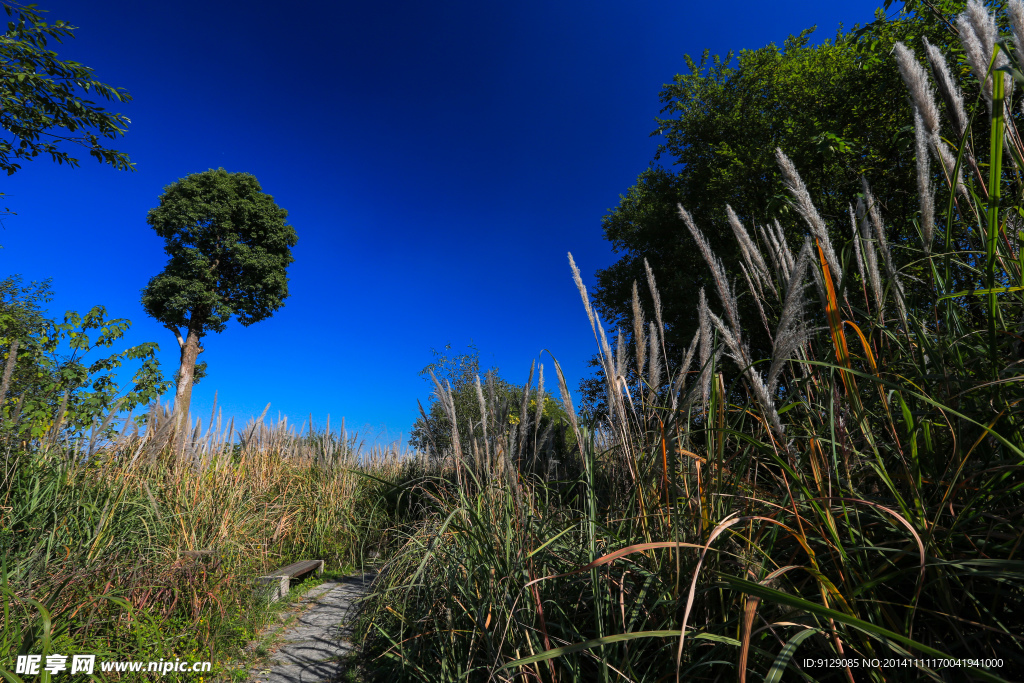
177	334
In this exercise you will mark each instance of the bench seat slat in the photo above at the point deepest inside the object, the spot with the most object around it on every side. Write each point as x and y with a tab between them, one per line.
297	568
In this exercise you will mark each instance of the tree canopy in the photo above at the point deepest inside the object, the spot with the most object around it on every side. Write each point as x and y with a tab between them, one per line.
838	109
229	247
43	99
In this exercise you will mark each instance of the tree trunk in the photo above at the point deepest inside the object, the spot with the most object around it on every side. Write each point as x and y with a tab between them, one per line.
190	350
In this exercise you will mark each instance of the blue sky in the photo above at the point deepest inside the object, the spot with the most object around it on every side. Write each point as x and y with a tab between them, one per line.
437	161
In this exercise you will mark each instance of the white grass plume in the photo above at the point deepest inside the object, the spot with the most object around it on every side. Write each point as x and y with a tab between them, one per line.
620	355
539	411
947	87
705	348
616	409
523	426
791	332
870	256
638	332
583	294
805	207
883	247
921	93
1015	11
567	402
784	249
751	254
775	253
656	298
924	190
954	100
447	402
483	415
858	256
978	36
654	376
725	294
739	354
758	296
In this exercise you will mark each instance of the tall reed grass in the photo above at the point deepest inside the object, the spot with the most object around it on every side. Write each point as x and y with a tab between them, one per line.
852	500
117	546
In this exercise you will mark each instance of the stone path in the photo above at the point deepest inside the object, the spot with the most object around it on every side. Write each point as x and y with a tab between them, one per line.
312	649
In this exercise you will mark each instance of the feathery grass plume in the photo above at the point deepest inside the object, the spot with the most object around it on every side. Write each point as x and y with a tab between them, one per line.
483	410
948	88
583	294
1015	11
858	257
539	408
925	194
725	294
805	207
791	332
447	402
774	253
883	247
620	355
758	295
523	425
780	235
916	80
616	408
638	332
975	53
705	349
923	97
954	100
656	298
987	30
739	354
654	375
978	36
874	277
570	410
948	161
751	254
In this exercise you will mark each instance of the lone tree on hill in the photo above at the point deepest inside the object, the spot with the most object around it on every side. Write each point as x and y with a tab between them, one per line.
229	248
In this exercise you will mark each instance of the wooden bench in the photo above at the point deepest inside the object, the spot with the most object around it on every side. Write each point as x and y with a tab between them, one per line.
276	584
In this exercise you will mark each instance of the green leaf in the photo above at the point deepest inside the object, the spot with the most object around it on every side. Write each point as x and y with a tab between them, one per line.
596	642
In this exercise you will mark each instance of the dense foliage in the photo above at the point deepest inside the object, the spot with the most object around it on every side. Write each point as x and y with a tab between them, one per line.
839	110
49	387
43	99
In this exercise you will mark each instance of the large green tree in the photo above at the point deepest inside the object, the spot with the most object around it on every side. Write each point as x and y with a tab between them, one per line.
44	103
838	109
229	246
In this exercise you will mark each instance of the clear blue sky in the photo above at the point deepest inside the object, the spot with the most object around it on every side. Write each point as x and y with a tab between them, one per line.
437	161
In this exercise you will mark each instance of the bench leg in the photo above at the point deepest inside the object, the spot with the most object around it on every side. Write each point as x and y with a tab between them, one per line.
274	587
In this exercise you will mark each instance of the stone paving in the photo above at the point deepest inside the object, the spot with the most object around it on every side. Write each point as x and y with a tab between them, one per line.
312	649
